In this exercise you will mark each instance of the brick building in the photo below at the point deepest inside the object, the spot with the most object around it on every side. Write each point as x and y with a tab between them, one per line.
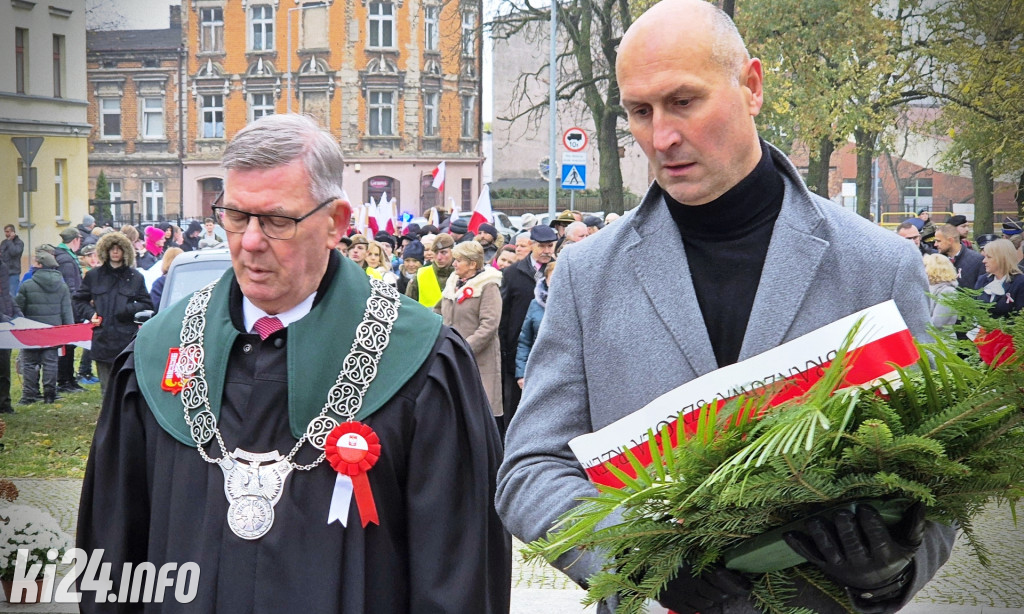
134	97
397	83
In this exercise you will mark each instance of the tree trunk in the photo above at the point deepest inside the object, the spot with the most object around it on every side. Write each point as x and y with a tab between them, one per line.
610	186
981	175
1020	197
865	175
818	167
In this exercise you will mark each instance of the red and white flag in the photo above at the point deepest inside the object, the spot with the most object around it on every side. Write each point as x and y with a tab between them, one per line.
438	174
372	225
482	214
882	343
432	218
384	213
22	333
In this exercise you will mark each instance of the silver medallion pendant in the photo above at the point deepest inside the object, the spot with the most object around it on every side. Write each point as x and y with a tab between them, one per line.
253	484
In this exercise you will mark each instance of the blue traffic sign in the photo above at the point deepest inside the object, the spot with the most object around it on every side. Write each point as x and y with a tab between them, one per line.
574	176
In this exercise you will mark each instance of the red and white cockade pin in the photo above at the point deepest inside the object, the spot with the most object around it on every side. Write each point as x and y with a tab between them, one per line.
352	448
467	292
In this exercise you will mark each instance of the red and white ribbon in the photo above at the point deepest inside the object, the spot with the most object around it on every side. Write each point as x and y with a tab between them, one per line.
785	372
22	333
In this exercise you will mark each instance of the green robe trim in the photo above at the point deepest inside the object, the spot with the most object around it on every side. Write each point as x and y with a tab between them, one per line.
320	341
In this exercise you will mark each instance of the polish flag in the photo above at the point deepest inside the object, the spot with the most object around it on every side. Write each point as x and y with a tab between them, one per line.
482	214
22	333
384	214
371	218
432	219
438	174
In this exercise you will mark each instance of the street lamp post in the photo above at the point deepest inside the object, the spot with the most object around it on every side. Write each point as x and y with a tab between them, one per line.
311	5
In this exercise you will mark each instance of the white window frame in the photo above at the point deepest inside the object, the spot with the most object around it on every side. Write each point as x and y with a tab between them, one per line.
152	199
912	196
431	113
381	25
469	34
60	195
215	107
264	25
115	193
104	112
213	27
59	62
431	27
381	112
266	105
468	130
152	108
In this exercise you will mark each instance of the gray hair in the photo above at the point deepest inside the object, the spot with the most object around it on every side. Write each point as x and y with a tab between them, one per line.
727	47
278	140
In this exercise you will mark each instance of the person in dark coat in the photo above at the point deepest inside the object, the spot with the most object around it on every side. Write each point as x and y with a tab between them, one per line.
1002	285
7	311
517	286
71	271
193	233
968	263
85	231
531	325
44	298
11	249
270	535
155	241
110	296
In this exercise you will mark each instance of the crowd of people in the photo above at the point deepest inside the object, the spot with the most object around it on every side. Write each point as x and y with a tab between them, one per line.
99	268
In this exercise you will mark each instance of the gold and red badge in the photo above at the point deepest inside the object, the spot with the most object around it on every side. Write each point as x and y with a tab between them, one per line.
352	449
172	381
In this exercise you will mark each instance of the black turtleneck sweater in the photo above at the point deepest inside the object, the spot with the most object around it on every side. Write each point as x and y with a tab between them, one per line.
726	243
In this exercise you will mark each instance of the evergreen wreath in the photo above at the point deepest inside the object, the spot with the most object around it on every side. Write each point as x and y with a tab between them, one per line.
948	432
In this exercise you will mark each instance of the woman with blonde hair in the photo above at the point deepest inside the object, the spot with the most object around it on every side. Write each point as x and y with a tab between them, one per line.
375	263
157	290
941	281
1003	284
471	304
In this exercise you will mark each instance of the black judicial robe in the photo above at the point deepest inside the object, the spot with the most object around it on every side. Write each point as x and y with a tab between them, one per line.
440	546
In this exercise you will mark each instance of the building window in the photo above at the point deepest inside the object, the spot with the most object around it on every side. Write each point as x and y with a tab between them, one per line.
153	118
314	33
917	194
430	112
382	24
60	196
110	118
469	34
468	116
58	65
467	194
211	29
382	113
21	60
262	27
432	30
260	105
212	117
115	190
152	199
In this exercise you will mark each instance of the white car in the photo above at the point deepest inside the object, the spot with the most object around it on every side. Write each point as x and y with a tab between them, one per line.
191	271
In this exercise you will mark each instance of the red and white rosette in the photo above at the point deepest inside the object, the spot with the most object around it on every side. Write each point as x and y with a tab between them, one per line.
352	448
467	292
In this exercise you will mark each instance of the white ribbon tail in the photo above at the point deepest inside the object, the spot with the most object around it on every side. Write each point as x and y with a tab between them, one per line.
340	500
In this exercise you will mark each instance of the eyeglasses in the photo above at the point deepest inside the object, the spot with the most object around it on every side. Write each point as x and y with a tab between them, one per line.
280	227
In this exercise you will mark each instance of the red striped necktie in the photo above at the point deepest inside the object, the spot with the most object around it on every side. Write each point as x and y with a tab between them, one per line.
267	326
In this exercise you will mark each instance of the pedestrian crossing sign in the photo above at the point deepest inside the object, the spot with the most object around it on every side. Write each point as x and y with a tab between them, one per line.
574	176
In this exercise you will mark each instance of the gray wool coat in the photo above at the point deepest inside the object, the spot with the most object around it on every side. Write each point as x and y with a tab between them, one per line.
607	349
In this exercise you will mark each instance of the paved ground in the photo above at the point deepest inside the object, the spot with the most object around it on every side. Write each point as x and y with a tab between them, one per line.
963	586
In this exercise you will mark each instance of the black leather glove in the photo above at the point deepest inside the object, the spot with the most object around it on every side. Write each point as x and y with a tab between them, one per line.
859	552
687	595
